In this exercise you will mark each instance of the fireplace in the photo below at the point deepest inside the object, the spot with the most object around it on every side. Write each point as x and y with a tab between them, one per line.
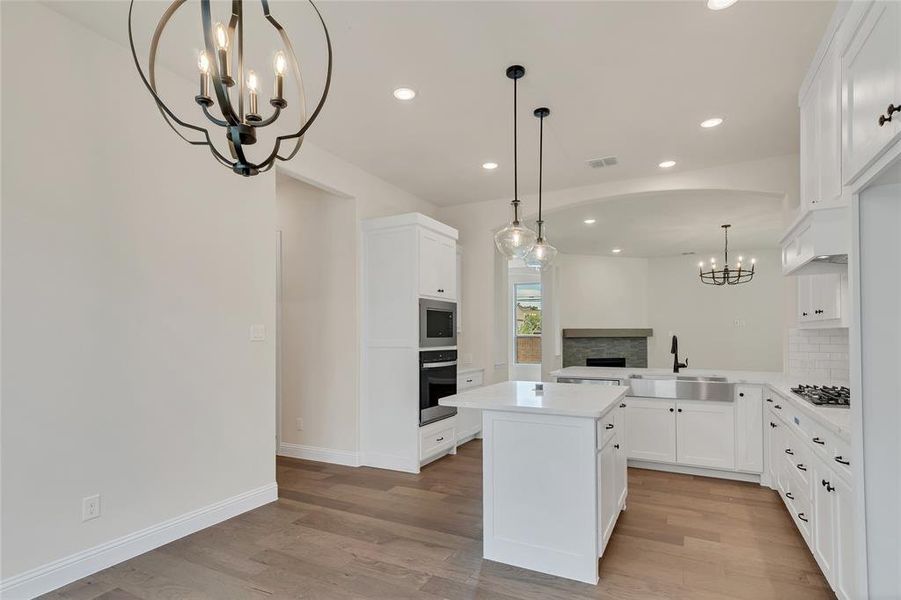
606	347
605	361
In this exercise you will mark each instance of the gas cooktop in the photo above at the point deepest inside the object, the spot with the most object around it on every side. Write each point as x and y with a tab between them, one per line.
823	395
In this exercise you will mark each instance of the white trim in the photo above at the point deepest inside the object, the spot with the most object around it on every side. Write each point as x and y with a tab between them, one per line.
58	573
391	462
465	436
699	471
327	455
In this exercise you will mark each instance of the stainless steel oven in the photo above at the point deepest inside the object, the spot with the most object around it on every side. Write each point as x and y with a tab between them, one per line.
437	323
437	379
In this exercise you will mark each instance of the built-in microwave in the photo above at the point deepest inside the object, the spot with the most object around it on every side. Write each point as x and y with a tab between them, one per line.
437	323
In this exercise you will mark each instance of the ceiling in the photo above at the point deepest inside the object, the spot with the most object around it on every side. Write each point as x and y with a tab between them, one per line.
669	224
631	79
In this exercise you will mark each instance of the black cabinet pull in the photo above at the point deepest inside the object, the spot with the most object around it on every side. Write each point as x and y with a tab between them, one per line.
609	426
770	400
773	425
802	517
840	460
828	486
616	446
623	405
817	440
803	314
779	406
801	467
888	119
789	451
441	439
789	496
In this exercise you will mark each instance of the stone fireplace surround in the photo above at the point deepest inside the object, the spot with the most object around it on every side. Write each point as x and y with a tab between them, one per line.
581	344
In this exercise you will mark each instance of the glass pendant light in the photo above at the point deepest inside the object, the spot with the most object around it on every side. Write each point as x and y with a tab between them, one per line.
542	253
515	240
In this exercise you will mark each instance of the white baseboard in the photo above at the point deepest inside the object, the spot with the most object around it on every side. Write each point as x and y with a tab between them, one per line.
466	436
390	462
700	471
56	574
319	454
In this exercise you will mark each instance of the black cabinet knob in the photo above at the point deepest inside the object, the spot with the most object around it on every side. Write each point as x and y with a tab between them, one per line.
616	446
827	485
680	410
671	410
883	119
623	405
773	425
741	394
440	290
803	314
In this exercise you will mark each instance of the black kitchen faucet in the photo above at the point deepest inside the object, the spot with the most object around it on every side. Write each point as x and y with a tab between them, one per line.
675	352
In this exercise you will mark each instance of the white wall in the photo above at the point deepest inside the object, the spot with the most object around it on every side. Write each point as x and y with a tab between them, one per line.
483	342
318	331
133	268
704	316
602	292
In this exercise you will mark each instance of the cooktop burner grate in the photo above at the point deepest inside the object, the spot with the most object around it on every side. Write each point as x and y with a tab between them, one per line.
822	395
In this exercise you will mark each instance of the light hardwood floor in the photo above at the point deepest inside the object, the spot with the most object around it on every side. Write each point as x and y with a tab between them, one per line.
339	532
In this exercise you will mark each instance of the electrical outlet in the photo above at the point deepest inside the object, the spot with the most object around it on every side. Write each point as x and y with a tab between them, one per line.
257	333
90	507
299	424
738	323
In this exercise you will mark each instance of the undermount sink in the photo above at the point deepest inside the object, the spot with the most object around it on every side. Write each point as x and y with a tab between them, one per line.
682	387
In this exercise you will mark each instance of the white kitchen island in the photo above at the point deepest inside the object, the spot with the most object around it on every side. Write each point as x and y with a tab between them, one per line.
554	473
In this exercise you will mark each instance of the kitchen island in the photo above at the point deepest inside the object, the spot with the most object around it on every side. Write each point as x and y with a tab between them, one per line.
554	473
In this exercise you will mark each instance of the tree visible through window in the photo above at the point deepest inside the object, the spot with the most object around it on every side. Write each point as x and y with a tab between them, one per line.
527	310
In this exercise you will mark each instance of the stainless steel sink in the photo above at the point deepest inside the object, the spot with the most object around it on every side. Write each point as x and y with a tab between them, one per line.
682	387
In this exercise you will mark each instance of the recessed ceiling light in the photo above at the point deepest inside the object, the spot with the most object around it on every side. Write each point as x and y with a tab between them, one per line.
590	221
712	122
403	93
720	4
667	164
489	166
616	250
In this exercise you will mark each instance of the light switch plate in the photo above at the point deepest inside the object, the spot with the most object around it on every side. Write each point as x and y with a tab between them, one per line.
257	333
299	424
90	507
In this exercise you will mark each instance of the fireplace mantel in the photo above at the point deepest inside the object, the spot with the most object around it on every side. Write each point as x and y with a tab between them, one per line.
608	333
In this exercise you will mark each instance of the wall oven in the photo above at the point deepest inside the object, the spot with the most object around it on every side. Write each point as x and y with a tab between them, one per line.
437	379
437	323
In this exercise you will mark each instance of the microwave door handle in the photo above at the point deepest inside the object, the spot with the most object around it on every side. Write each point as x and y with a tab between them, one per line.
436	365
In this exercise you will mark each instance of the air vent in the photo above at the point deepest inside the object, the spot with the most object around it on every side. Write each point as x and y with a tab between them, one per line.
598	163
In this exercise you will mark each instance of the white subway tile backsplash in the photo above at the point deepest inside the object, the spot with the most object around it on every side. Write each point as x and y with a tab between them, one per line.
819	356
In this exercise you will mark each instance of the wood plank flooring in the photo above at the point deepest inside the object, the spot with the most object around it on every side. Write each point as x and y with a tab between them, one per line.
339	533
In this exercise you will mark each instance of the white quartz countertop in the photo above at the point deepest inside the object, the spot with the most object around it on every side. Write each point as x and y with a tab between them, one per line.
556	399
838	420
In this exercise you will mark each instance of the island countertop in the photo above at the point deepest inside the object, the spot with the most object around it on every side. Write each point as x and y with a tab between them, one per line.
555	399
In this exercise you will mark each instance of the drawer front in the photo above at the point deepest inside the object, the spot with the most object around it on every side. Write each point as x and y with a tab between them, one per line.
607	428
469	380
433	441
840	460
797	457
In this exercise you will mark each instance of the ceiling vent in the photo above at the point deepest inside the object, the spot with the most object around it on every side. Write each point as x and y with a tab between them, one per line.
598	163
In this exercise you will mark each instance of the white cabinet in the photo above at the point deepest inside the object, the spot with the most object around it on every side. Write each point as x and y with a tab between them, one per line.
871	77
469	420
749	429
705	434
820	298
651	426
621	477
844	581
821	134
437	265
823	519
612	476
437	439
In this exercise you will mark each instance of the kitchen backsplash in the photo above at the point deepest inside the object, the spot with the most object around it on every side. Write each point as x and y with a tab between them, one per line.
819	356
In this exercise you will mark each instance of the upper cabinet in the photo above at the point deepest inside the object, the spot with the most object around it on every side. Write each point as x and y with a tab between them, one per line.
437	265
871	81
821	160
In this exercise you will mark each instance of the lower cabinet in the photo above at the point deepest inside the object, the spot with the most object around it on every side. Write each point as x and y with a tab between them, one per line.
705	434
823	509
612	488
844	579
696	433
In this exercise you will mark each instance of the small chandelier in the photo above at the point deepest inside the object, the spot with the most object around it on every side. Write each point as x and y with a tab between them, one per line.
542	253
727	275
514	240
234	92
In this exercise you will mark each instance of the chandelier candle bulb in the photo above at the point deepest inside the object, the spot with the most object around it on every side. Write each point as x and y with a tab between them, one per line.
221	35
203	63
279	65
252	85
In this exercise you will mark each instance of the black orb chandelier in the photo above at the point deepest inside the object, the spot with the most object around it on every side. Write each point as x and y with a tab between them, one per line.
235	91
727	275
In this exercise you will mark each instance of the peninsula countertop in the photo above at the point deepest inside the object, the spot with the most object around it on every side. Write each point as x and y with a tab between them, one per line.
555	399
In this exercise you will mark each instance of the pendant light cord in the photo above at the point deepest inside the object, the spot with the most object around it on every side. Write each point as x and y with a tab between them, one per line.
515	162
540	171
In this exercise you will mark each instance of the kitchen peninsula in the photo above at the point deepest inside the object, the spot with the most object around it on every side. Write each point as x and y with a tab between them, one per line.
554	473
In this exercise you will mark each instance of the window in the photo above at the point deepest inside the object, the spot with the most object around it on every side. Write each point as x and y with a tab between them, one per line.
527	315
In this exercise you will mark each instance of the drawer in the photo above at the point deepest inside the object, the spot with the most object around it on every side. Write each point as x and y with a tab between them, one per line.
470	380
607	427
798	503
797	457
434	440
840	461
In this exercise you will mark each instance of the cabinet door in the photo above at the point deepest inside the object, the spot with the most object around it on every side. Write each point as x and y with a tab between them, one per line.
828	124
749	430
705	434
607	510
809	149
651	426
771	427
825	296
622	472
805	298
844	581
437	266
823	520
871	69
